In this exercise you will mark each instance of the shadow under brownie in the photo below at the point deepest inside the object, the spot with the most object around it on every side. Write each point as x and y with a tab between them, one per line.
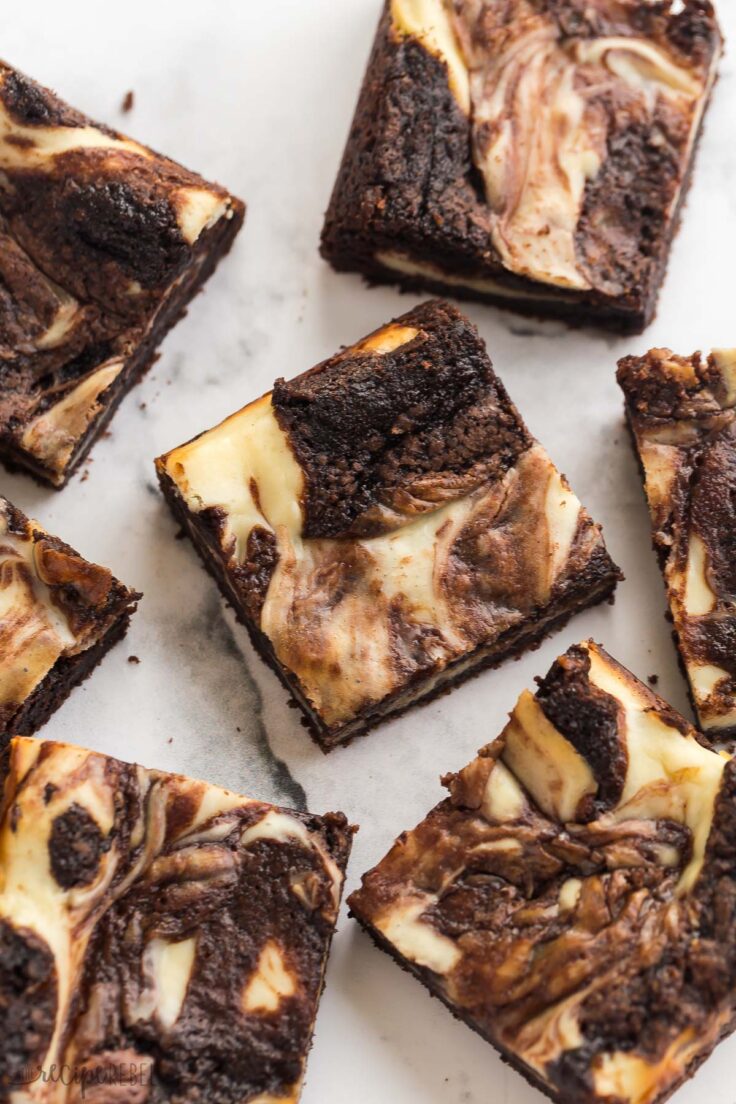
682	416
59	615
102	244
160	938
533	154
572	899
385	525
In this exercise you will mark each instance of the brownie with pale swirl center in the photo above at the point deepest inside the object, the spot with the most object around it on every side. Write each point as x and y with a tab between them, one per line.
573	900
161	939
682	415
385	525
59	616
103	242
531	153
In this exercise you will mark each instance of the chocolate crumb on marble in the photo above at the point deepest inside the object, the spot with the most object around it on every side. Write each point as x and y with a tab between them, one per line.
385	525
572	899
60	615
682	415
172	930
128	102
535	154
102	244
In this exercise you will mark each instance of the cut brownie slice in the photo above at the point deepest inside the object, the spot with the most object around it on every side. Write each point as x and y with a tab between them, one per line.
572	900
160	938
682	414
385	524
59	615
102	244
533	153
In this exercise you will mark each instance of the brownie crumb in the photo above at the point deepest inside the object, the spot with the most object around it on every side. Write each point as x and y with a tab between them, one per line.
128	102
133	659
652	679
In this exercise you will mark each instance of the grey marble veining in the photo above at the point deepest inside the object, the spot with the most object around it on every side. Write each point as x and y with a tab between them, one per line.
259	95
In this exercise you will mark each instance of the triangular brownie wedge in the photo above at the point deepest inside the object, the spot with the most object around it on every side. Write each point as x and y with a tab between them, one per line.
161	939
385	525
103	242
682	414
572	899
59	615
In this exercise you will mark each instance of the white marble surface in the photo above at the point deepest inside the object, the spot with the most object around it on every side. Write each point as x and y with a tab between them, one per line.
259	95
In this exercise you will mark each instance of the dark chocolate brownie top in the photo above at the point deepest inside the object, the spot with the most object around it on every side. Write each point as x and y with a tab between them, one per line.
172	930
55	605
546	140
394	426
682	412
95	231
387	512
573	897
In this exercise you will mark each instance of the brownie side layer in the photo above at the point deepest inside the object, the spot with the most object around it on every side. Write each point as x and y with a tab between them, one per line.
595	585
428	980
67	672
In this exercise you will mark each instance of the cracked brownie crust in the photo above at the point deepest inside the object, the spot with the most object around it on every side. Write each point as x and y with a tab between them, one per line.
579	918
102	244
682	413
172	930
531	153
385	524
59	615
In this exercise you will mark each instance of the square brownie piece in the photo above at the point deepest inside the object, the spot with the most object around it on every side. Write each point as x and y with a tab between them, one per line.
385	525
102	244
682	415
161	939
531	153
59	615
572	899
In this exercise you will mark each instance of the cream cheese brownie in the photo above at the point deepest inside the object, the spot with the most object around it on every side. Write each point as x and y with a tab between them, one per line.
385	525
161	939
682	414
59	615
102	244
572	900
532	153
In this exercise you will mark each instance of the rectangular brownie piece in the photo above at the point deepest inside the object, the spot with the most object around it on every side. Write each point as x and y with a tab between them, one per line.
385	524
682	415
161	939
102	244
59	615
572	899
532	153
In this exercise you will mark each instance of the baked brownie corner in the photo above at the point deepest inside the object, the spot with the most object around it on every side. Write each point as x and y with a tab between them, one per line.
102	244
61	615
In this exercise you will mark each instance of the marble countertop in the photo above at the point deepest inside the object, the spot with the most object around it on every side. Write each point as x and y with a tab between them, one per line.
260	95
